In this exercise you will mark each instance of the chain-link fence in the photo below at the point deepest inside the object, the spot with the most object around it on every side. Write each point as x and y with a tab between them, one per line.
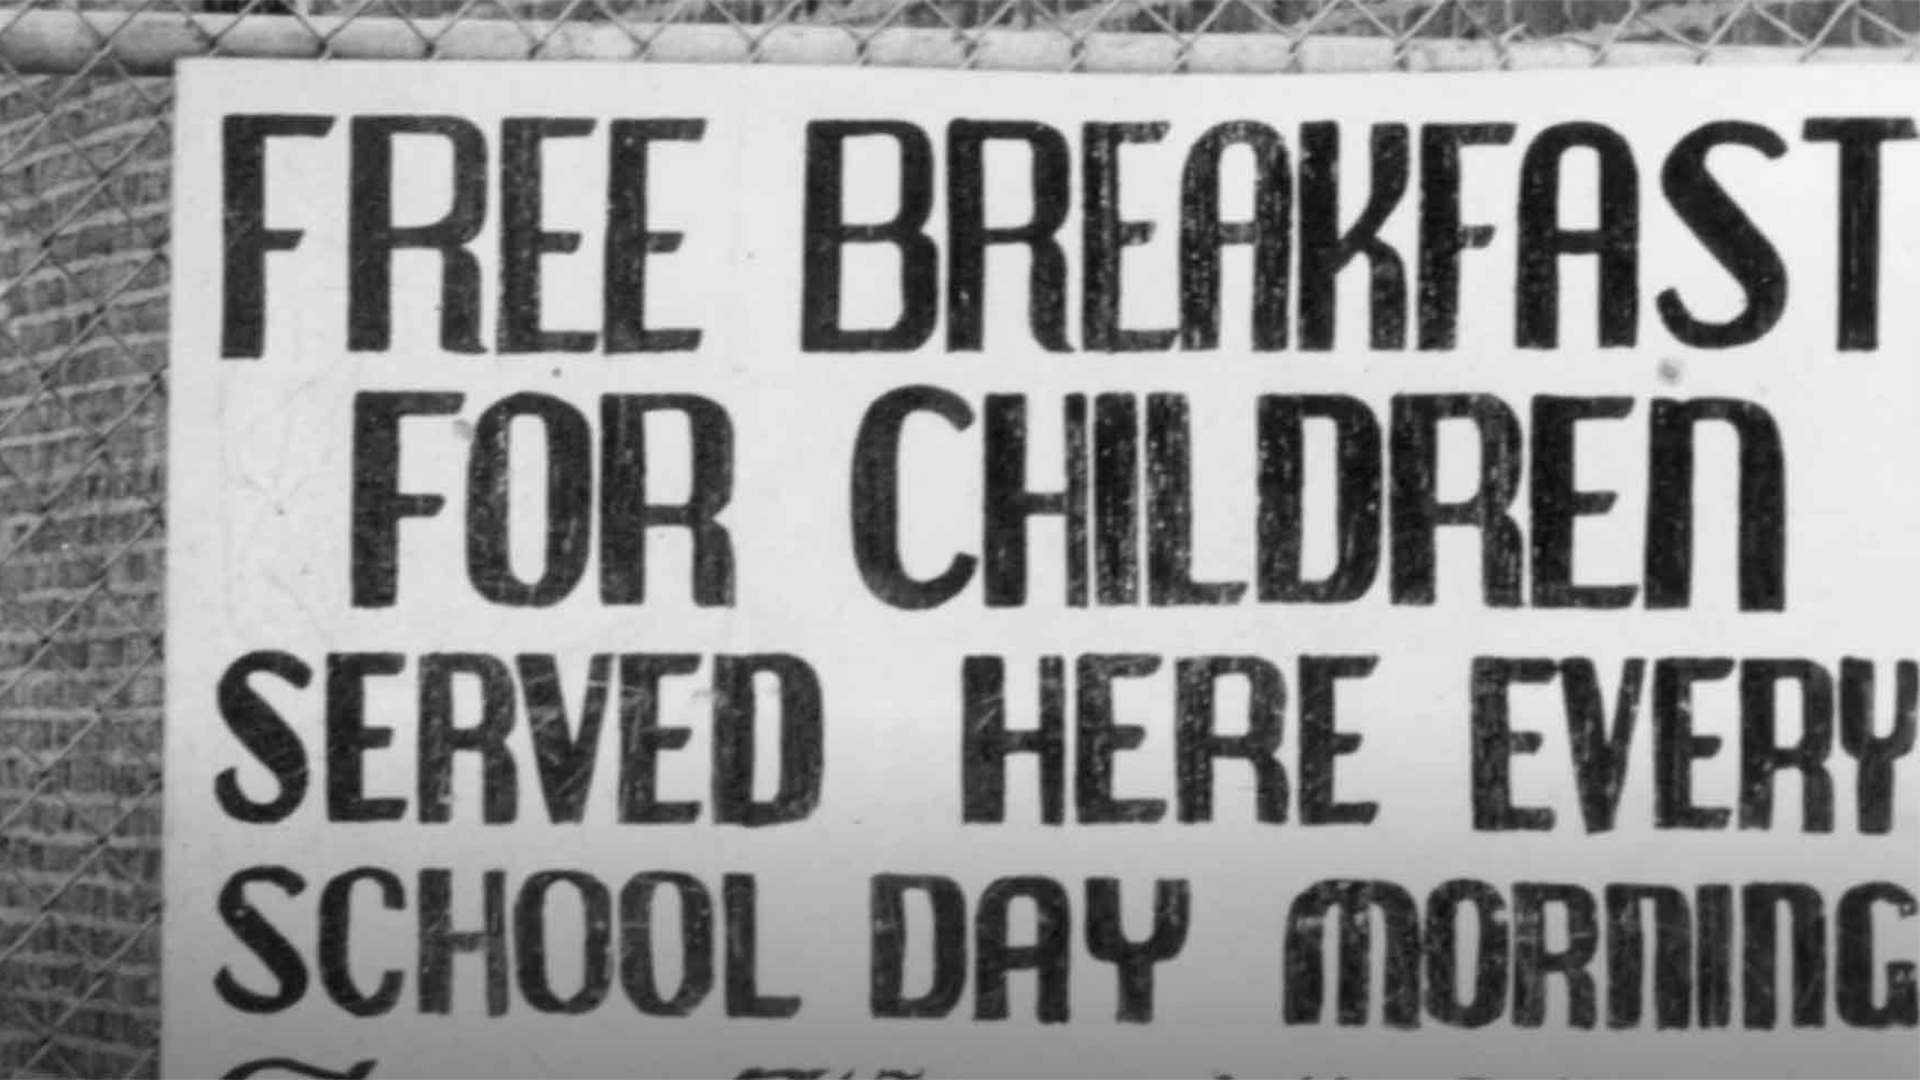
85	107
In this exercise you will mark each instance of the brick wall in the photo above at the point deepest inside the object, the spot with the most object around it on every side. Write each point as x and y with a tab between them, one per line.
83	276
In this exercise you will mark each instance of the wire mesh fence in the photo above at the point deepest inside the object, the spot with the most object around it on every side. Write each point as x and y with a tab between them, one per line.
85	108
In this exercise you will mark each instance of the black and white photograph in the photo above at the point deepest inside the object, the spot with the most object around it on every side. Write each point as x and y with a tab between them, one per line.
929	539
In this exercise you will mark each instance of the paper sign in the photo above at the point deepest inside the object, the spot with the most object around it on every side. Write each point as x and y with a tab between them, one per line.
851	573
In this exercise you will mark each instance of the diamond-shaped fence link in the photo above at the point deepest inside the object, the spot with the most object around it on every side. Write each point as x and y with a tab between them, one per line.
85	109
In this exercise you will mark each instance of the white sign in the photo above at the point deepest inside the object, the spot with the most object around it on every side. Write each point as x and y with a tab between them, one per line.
850	573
